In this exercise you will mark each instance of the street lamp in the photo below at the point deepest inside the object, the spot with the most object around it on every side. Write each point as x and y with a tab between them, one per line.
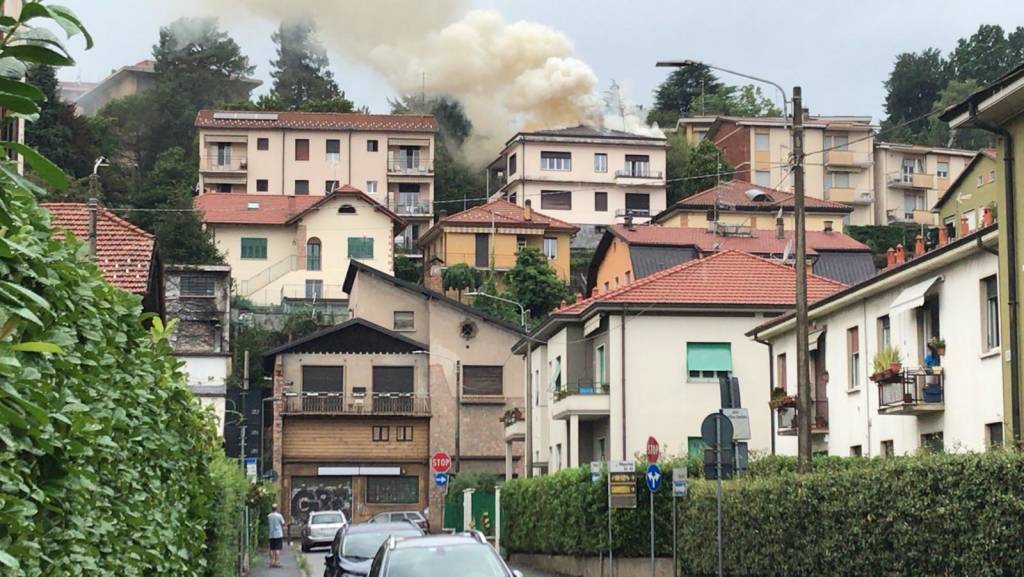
797	162
522	309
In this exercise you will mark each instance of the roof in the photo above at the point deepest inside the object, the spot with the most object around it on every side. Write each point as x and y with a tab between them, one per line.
317	120
759	241
921	149
860	122
318	342
647	260
125	253
388	527
734	194
501	213
355	267
847	267
275	209
583	131
983	93
987	153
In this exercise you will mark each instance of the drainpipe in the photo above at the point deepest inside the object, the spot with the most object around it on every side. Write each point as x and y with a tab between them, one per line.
771	384
622	369
1008	227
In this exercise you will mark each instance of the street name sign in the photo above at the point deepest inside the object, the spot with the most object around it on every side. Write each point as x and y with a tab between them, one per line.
621	485
740	419
680	482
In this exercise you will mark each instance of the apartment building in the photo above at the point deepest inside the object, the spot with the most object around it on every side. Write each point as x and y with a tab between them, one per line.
644	359
909	179
963	204
952	401
298	247
489	236
838	155
390	157
588	177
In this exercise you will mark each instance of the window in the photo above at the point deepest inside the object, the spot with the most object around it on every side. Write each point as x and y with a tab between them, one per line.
482	380
333	150
403	433
856	451
638	165
197	285
323	379
762	178
223	187
707	362
990	292
330	185
301	149
695	447
761	141
981	180
301	187
556	161
884	332
638	202
600	162
556	199
972	221
606	287
837	180
991	176
601	202
404	321
254	248
482	257
994	435
520	242
781	379
550	247
313	254
629	277
837	141
314	290
371	146
393	387
512	164
933	442
262	185
853	356
346	209
616	282
262	144
224	154
371	186
360	247
381	434
942	169
887	449
599	364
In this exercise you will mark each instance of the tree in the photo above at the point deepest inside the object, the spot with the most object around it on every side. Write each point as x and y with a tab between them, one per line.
983	57
460	277
178	229
59	134
692	169
407	269
301	72
746	100
914	84
673	97
533	283
495	307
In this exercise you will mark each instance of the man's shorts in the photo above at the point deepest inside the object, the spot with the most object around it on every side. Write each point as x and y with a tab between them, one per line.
276	544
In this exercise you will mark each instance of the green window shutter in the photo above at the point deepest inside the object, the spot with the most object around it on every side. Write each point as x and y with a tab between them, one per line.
708	357
360	247
254	248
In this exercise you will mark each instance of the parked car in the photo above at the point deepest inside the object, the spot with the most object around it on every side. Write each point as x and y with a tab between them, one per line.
462	555
394	516
321	528
354	546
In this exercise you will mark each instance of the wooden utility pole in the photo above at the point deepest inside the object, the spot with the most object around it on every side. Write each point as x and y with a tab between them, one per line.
803	373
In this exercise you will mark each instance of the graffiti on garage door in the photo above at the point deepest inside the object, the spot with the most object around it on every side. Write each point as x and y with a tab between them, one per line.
320	494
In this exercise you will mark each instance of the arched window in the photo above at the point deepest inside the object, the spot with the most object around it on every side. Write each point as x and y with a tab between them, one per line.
313	254
346	209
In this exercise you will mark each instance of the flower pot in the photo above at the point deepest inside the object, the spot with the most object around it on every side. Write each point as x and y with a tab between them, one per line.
908	398
941	351
896	367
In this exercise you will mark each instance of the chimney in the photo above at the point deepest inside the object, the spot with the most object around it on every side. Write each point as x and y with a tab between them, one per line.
780	228
890	258
628	220
901	254
291	204
964	228
986	216
943	236
441	214
528	210
828	227
593	292
93	209
919	245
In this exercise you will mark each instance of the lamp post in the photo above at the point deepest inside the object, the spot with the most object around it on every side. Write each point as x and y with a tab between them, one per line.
522	309
797	165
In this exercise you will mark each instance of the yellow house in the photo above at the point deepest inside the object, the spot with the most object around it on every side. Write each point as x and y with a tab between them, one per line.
489	235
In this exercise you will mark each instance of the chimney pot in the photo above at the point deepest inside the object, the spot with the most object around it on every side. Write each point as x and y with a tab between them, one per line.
780	228
986	216
828	226
901	254
919	245
629	221
965	229
943	236
890	258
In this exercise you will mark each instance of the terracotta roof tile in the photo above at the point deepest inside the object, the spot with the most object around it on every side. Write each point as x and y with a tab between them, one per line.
502	211
726	278
734	193
124	252
241	208
759	241
319	121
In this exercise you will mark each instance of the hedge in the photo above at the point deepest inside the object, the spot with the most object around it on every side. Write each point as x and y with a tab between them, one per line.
108	463
917	516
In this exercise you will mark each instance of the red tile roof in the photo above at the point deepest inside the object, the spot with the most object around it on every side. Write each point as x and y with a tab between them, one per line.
317	121
502	213
234	208
759	241
734	193
726	278
124	252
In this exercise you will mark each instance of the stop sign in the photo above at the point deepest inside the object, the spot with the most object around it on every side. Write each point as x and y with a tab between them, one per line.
653	450
441	462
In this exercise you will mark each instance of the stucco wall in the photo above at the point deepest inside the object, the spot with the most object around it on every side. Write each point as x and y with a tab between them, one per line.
969	197
755	220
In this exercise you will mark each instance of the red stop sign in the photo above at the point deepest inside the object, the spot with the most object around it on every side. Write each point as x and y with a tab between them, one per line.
653	450
441	462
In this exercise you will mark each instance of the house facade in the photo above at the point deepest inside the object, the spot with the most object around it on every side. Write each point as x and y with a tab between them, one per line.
585	176
489	236
951	402
287	247
909	179
964	202
595	393
390	157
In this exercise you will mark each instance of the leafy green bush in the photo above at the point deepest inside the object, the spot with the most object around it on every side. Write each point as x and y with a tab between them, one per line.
229	490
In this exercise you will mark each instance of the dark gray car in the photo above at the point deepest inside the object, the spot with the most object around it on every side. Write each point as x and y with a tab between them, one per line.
463	555
354	546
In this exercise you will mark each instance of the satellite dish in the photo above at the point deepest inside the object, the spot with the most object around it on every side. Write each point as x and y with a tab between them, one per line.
789	250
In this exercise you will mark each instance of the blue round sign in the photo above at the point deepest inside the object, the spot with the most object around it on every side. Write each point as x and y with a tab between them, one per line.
653	478
441	479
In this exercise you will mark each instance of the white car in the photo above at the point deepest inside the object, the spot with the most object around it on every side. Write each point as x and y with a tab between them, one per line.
321	528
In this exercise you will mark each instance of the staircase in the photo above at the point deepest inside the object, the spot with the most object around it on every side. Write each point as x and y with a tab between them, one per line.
268	275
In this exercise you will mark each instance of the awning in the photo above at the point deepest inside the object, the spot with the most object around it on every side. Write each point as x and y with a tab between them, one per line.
708	357
213	138
409	142
912	296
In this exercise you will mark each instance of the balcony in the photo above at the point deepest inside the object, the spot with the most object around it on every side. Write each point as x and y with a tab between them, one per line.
312	293
640	176
916	217
219	164
515	425
402	165
787	419
917	180
849	196
399	404
914	391
411	207
581	397
847	159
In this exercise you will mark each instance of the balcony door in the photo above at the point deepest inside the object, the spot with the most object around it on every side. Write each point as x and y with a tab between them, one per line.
392	389
409	157
327	385
408	197
907	169
224	154
638	165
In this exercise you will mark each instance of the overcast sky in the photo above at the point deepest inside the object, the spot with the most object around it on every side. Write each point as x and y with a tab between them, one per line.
840	52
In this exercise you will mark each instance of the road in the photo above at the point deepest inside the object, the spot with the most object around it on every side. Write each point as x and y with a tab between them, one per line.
316	565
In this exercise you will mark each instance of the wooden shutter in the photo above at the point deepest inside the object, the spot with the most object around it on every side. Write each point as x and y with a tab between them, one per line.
301	149
483	259
482	380
392	379
322	379
601	201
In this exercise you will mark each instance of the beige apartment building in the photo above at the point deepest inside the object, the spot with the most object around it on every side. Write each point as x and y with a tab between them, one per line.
390	157
910	179
588	177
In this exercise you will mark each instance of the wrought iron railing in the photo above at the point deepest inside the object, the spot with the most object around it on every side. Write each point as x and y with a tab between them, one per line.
407	207
231	163
639	173
913	386
398	164
357	404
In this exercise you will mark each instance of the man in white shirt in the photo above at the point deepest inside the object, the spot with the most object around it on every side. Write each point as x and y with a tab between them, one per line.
275	521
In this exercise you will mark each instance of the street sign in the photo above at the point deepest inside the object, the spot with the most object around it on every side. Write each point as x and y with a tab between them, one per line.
740	423
680	482
441	480
595	471
621	466
621	485
441	462
653	450
711	435
653	478
250	468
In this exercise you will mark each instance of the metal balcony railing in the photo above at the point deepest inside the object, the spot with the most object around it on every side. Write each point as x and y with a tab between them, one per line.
311	293
638	172
400	164
268	275
913	386
581	387
410	207
416	404
231	163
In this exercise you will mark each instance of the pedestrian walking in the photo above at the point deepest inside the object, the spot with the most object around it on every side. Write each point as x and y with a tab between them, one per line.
275	521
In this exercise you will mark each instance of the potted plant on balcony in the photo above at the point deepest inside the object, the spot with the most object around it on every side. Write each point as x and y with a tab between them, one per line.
937	344
783	401
887	365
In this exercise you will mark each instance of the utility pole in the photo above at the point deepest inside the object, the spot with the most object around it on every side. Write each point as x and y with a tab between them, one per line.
93	209
458	416
803	373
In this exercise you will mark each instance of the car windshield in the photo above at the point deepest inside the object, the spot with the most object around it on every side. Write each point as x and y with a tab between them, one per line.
461	560
327	519
365	545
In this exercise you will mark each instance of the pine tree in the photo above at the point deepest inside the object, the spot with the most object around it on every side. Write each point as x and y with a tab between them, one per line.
302	79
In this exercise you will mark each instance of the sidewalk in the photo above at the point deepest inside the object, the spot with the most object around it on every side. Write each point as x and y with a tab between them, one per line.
289	568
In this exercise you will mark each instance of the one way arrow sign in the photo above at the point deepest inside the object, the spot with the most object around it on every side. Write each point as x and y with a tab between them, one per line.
653	478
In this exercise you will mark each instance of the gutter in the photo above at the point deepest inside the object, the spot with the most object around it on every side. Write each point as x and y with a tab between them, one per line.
622	368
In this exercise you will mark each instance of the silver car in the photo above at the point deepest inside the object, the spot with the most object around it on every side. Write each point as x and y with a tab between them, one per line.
321	528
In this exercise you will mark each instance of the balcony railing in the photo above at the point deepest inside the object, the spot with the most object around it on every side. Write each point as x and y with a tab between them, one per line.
414	165
787	421
634	212
232	163
581	387
917	216
847	158
309	293
409	207
916	390
639	173
848	195
911	180
415	404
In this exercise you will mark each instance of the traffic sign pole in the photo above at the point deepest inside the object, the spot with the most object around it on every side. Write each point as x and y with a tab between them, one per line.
611	558
718	466
652	532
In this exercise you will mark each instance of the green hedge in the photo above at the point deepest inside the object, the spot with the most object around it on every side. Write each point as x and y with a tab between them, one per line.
108	463
910	516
